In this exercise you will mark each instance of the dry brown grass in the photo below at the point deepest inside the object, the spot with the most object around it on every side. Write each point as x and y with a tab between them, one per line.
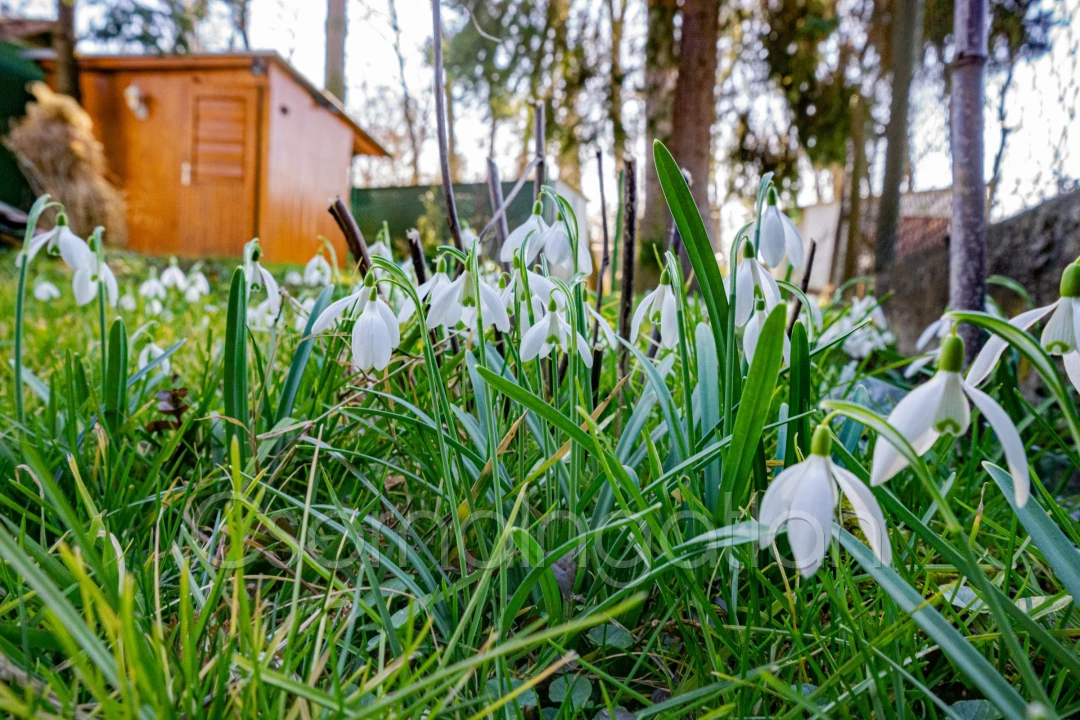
58	153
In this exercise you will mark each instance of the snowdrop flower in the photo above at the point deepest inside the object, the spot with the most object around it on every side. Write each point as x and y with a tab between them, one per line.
154	307
660	307
752	333
380	249
556	243
259	277
87	277
197	286
302	314
434	284
174	277
1059	337
72	248
457	302
606	331
941	406
469	238
804	497
262	317
317	272
152	287
150	353
45	291
531	231
128	303
375	333
551	332
294	279
779	235
749	275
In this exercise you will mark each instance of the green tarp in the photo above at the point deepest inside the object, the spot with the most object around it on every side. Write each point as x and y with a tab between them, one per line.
16	72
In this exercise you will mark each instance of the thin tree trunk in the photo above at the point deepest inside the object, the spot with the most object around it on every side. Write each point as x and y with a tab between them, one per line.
626	296
967	246
661	71
336	26
855	204
538	136
907	22
695	97
67	68
440	125
408	106
616	77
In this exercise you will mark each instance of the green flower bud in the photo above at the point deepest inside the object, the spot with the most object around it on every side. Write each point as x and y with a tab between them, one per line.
952	354
1070	281
538	208
748	249
770	195
821	441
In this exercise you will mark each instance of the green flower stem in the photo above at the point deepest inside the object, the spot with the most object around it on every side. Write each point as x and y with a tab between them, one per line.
20	309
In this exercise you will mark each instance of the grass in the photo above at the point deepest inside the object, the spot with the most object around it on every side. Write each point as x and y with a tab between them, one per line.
468	535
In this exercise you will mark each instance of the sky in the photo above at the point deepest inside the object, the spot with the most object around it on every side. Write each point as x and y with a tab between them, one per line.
1042	101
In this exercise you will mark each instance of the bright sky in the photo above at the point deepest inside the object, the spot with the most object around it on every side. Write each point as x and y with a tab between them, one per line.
1042	102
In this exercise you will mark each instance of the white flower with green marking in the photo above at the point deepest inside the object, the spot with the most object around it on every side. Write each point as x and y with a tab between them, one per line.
803	500
428	289
751	277
259	278
532	232
553	332
174	277
940	406
317	272
660	308
779	236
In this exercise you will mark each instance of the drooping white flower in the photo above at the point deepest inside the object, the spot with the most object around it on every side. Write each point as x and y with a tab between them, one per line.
293	278
752	332
375	333
941	406
457	302
152	287
197	286
303	313
749	275
1059	337
60	239
469	238
262	317
128	303
317	272
430	288
151	352
154	307
659	306
174	277
559	250
355	301
531	231
85	282
44	291
553	332
259	277
803	499
779	236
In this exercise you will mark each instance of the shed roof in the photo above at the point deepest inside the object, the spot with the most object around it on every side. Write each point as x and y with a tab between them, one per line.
363	144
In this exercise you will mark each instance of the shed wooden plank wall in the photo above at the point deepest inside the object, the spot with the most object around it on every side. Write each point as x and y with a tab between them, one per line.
309	162
274	180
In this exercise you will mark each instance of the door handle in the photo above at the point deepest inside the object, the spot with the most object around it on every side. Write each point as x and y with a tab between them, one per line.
185	173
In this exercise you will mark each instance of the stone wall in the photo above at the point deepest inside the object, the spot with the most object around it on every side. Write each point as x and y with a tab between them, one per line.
1032	248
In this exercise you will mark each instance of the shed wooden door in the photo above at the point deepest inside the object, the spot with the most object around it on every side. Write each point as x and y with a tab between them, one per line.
219	179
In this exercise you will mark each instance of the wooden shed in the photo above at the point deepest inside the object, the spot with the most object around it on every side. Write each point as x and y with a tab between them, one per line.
213	150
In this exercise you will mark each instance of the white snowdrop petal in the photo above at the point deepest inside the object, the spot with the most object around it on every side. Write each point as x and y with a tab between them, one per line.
918	364
494	308
744	291
777	500
793	242
639	314
333	311
1072	367
1058	336
84	286
810	517
953	415
1009	437
669	321
913	417
584	351
771	241
390	320
533	340
867	511
991	352
112	290
751	333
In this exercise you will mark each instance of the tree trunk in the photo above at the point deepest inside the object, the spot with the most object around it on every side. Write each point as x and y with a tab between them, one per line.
967	246
616	77
907	22
661	66
336	24
408	106
859	167
695	97
67	68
